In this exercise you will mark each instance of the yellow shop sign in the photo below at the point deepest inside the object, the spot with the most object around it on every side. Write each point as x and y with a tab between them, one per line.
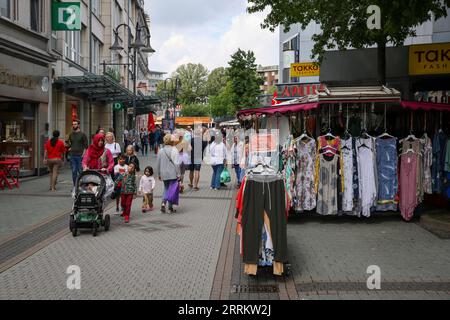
429	59
305	69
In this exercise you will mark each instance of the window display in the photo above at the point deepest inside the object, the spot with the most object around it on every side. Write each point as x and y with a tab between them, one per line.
16	137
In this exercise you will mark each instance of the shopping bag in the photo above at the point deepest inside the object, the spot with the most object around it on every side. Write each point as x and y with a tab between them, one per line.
225	177
173	193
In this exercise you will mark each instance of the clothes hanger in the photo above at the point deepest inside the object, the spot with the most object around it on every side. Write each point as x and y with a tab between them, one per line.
385	134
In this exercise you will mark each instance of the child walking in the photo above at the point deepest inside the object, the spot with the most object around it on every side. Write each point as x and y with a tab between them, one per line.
146	186
128	191
119	170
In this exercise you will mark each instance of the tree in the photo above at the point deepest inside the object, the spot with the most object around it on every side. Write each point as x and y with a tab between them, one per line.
244	79
344	23
222	104
193	82
195	110
217	80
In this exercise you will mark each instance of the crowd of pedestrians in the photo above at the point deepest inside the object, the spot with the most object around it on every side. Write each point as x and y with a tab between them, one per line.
178	152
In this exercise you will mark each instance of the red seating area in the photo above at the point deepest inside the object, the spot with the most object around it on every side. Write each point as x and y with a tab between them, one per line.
9	172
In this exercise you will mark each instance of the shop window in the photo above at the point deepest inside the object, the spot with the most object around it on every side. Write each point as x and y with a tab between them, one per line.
17	134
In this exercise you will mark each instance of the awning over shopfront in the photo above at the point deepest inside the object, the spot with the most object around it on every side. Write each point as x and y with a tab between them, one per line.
330	95
279	109
415	105
103	89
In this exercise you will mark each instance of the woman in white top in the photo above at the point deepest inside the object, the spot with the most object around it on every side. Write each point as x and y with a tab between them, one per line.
218	152
112	146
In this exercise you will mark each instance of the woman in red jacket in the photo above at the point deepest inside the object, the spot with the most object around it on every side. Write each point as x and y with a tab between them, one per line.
53	157
97	157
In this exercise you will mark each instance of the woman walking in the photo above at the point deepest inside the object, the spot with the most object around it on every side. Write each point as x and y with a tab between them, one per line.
97	157
53	157
218	153
113	146
168	169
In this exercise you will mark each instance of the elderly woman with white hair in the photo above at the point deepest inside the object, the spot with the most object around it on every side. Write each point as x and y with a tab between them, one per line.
112	146
168	168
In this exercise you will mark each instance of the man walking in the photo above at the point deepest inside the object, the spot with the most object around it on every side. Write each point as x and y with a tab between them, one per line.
77	144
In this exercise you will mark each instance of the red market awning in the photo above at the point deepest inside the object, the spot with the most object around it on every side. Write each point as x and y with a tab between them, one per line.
415	105
280	109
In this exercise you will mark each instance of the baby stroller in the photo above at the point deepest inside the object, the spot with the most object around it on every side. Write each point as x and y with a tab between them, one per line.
90	196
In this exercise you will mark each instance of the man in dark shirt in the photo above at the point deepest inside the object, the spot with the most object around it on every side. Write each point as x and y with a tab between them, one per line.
77	144
198	147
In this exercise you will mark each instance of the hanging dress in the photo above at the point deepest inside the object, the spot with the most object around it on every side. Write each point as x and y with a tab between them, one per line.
304	185
416	146
327	200
366	173
408	183
427	162
387	167
347	155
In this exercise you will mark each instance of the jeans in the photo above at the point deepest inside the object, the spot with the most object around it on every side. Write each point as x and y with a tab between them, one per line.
238	169
144	149
76	166
217	171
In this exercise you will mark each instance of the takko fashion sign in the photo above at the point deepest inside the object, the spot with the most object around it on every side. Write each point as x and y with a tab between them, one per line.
296	90
305	69
429	59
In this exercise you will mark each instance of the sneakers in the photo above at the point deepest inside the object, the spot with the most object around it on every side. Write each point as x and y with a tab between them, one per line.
127	219
163	209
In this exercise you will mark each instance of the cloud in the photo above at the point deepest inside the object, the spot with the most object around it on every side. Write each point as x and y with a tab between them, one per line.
211	41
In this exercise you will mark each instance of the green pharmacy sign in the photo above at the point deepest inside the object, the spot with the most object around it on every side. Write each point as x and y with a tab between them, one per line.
66	16
117	106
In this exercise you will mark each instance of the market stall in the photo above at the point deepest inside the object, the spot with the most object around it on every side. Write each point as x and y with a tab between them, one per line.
350	150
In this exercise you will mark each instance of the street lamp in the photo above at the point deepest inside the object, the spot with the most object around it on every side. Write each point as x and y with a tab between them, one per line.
138	46
172	94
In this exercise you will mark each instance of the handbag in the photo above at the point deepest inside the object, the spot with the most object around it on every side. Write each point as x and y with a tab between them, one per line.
173	193
225	176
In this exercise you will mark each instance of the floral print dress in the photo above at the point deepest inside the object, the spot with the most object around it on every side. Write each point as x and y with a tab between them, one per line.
304	188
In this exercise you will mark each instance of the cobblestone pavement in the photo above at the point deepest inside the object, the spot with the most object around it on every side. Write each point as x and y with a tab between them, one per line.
330	258
33	202
156	256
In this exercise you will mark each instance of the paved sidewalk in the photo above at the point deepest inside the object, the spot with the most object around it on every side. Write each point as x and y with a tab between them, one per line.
156	256
32	203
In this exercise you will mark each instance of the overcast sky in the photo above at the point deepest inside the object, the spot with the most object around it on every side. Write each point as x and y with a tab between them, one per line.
206	32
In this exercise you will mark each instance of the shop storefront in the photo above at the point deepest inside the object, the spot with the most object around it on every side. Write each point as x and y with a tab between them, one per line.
24	99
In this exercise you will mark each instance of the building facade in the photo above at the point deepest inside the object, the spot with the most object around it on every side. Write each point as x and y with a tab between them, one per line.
50	78
25	85
353	67
87	52
269	75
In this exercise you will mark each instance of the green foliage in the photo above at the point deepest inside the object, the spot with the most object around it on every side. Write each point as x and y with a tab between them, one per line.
193	82
344	22
244	79
223	103
195	110
217	80
271	90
